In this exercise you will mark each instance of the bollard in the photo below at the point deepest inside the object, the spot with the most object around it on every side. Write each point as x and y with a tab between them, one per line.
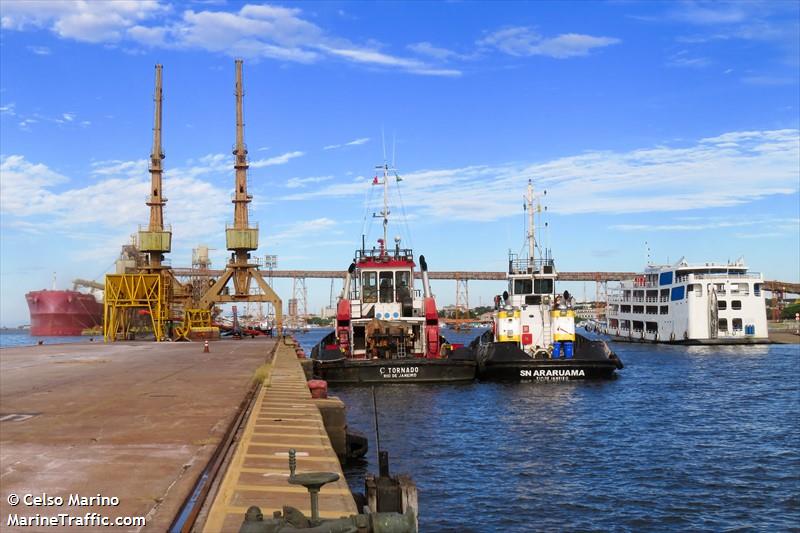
205	347
318	388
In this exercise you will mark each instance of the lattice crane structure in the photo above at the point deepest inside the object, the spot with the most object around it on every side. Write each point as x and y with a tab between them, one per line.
153	288
241	237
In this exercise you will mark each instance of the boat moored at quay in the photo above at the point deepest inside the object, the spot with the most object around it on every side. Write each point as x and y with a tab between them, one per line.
533	335
689	304
387	330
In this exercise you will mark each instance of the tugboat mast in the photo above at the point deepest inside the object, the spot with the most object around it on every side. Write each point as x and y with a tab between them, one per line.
531	225
385	212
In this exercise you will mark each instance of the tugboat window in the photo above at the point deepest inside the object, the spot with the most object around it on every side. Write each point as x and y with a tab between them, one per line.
370	287
402	279
387	287
543	286
522	286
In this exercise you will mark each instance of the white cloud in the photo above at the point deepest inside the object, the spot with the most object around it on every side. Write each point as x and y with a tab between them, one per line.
523	41
115	201
294	232
23	185
39	50
355	142
277	160
81	20
442	54
728	170
294	183
255	31
683	59
374	57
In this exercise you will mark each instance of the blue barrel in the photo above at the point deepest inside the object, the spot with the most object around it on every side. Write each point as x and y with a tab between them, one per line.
556	349
568	350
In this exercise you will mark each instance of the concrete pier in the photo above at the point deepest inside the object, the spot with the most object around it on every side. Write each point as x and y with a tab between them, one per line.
283	417
133	421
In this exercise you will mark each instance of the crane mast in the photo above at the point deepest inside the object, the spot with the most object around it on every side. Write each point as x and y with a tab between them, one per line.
156	240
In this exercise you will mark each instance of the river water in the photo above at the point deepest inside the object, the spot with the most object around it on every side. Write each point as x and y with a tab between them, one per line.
687	438
11	338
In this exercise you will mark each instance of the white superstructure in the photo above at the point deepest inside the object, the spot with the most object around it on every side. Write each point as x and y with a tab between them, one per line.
714	303
531	314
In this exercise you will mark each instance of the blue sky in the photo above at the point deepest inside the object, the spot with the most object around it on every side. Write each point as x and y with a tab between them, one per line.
673	123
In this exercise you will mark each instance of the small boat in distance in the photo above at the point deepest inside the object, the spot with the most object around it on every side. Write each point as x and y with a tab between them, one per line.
387	330
533	336
689	304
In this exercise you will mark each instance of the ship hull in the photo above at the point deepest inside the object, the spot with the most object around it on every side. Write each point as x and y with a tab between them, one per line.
696	342
505	361
62	313
411	370
332	366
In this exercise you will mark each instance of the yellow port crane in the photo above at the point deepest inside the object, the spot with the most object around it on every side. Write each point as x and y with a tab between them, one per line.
241	238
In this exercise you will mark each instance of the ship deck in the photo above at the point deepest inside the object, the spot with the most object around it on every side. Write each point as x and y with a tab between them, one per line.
134	421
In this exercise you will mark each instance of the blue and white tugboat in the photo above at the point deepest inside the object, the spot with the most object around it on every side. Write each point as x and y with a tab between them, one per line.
533	336
387	330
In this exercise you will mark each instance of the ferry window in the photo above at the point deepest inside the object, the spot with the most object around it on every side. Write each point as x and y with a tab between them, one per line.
723	324
543	286
522	286
677	293
722	304
387	288
665	278
736	304
737	324
369	287
402	279
757	289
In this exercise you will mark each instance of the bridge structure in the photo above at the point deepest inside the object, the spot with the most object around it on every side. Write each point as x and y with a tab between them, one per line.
769	285
441	275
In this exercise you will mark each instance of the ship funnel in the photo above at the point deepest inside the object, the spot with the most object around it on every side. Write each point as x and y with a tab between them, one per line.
426	285
347	278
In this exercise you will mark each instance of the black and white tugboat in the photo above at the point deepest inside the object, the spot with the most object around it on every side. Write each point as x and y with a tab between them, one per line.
533	336
387	330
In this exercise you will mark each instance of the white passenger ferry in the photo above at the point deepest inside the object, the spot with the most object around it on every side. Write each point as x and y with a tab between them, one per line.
689	304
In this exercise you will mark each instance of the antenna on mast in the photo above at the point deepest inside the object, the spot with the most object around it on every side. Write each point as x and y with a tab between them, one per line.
383	142
394	146
531	224
385	212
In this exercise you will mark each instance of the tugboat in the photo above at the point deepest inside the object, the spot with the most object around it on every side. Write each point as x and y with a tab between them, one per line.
533	335
386	331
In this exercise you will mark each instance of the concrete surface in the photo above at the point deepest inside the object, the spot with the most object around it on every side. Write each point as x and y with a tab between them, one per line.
134	421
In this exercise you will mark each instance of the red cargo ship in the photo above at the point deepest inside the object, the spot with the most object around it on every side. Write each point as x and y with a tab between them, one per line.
62	313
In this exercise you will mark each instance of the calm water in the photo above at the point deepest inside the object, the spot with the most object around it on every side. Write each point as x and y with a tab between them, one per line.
9	339
688	438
